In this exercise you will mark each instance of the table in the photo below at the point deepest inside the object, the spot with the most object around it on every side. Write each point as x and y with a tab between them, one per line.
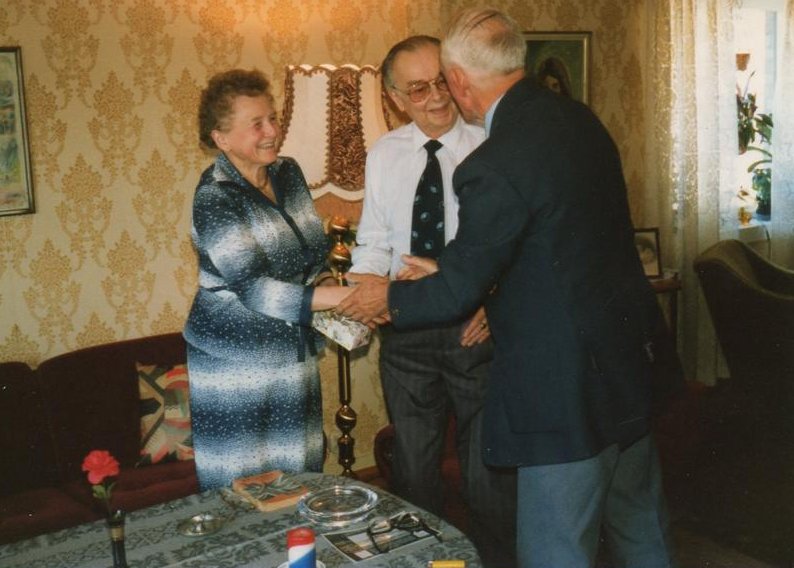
669	284
249	538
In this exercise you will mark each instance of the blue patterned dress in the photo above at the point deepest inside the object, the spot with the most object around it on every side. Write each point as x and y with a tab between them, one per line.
254	383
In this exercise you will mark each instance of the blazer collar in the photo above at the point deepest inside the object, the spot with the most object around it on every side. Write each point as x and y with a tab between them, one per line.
523	89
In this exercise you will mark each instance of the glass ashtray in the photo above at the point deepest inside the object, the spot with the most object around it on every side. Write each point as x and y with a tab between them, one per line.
200	525
338	505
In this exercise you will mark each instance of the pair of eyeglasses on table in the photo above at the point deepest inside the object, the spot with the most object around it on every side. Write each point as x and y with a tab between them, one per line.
408	521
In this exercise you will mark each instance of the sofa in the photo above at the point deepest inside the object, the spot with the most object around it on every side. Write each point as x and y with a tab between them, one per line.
51	417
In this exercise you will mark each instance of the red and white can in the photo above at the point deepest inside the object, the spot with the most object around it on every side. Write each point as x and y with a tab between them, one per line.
300	548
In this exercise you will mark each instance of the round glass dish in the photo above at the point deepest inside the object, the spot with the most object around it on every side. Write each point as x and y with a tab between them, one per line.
338	505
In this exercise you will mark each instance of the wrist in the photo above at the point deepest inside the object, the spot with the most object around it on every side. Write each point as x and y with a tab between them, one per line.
322	277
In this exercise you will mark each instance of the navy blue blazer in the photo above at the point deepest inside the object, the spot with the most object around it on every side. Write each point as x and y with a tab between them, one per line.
546	242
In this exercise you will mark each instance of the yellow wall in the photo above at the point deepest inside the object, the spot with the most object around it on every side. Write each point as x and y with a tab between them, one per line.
111	93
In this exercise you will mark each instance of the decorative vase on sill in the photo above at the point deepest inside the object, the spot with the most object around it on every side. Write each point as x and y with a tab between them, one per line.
746	202
115	522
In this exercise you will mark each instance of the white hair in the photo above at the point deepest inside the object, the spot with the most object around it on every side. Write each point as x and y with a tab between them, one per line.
484	40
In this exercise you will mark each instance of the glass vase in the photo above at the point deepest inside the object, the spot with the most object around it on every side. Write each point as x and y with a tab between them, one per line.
115	522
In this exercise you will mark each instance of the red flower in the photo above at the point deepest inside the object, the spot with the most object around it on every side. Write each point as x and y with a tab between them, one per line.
100	464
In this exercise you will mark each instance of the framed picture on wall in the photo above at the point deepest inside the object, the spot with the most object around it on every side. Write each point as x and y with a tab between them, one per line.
16	181
560	61
647	243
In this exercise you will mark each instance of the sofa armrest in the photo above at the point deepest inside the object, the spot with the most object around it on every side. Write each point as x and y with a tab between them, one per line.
26	445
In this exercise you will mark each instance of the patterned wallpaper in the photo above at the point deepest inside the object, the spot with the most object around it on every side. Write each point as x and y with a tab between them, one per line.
112	88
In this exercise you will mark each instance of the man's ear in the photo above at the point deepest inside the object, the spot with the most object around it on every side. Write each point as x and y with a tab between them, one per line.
457	79
459	87
395	98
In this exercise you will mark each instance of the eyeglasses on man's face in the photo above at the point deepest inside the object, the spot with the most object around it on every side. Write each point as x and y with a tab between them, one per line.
419	91
407	521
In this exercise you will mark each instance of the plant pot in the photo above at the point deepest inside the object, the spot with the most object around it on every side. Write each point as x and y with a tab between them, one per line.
762	184
764	211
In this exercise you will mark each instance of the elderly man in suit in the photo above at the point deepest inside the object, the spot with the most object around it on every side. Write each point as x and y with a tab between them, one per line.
409	205
546	241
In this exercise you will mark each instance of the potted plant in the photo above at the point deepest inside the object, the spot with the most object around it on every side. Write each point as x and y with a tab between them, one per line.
752	124
762	184
762	178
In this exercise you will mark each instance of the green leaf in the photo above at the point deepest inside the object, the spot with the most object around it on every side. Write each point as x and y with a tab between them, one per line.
764	151
754	165
99	492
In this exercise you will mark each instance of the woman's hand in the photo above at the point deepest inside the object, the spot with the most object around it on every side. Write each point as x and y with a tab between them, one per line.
327	297
354	278
326	279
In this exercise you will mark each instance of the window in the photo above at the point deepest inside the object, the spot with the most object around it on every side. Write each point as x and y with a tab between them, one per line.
757	69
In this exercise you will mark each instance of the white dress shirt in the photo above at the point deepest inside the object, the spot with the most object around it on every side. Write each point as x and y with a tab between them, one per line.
394	165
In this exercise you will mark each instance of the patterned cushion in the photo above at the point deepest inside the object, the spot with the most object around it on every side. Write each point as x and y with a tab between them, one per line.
165	414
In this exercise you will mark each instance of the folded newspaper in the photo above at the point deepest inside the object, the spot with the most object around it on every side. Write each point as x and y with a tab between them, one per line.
342	330
269	491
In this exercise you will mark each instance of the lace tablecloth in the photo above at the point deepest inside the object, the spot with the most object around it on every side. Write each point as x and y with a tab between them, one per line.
248	538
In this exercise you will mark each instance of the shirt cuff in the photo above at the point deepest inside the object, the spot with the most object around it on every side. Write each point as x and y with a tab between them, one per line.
305	315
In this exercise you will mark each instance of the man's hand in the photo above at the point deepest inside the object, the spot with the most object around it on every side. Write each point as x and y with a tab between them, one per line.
476	330
416	267
368	302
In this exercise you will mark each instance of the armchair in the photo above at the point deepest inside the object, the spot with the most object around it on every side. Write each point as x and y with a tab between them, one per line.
741	485
751	302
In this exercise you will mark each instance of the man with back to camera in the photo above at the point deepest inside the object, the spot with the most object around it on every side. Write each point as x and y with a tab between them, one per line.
545	238
409	206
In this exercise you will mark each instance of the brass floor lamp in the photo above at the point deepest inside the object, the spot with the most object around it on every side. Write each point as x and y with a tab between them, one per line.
346	417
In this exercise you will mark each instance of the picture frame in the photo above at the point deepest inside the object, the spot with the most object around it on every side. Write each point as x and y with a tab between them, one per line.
646	241
16	180
560	61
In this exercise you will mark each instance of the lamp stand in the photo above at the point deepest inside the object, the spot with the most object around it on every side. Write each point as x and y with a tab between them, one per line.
345	417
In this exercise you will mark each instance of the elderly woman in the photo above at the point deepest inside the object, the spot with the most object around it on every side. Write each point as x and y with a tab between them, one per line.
254	382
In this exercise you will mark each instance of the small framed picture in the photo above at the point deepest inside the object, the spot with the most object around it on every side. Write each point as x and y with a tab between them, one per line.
16	180
647	243
560	61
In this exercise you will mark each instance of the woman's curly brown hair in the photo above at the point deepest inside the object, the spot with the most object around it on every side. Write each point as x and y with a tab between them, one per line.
217	99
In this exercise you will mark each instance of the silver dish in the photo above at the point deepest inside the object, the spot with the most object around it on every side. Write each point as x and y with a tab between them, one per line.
338	505
200	525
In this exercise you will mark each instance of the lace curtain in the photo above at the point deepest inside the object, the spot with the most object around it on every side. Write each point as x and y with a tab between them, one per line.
692	152
781	227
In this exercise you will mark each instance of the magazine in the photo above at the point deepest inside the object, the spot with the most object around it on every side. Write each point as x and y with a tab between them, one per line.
357	545
270	490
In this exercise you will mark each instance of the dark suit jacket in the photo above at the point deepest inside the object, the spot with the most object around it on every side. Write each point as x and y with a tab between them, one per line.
545	238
